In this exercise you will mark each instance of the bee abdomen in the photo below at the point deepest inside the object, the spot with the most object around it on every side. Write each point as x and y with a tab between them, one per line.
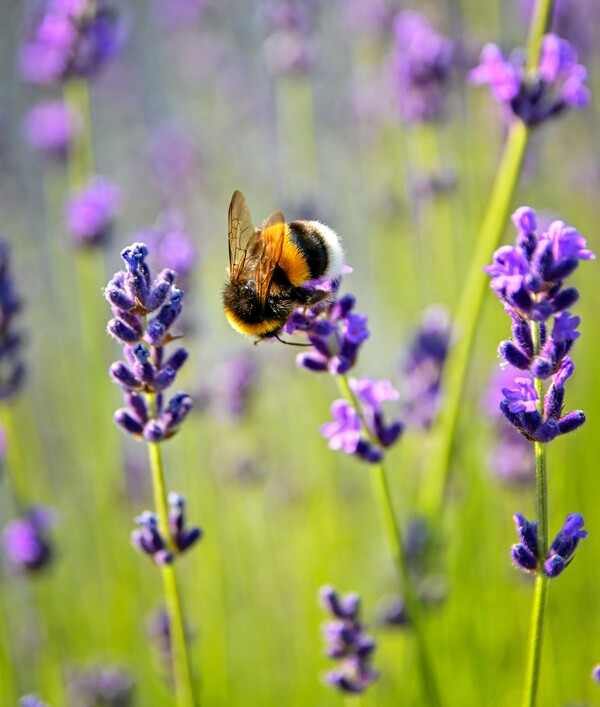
318	247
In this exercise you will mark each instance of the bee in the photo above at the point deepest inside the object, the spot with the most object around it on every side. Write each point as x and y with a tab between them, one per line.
269	265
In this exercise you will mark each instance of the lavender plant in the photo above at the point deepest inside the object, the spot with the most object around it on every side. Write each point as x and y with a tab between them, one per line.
529	279
347	643
336	334
144	376
545	82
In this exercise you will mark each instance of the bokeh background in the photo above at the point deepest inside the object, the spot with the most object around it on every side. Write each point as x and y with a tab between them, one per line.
205	97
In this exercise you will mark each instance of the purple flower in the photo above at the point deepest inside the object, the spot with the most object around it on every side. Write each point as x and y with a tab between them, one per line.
525	554
183	537
596	673
347	643
290	46
528	278
371	394
171	243
12	367
90	212
69	39
345	431
50	128
421	67
523	398
31	701
146	370
110	686
26	542
424	366
231	387
558	84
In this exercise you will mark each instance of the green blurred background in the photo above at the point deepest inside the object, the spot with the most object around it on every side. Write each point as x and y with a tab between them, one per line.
282	514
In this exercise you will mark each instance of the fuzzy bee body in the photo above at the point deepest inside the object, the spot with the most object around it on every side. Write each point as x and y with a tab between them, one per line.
269	265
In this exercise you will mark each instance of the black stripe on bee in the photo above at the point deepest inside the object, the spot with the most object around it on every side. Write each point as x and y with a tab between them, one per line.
311	244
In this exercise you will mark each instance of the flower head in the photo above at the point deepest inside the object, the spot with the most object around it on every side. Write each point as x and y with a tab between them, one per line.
558	84
347	643
107	685
50	128
422	62
147	370
90	211
26	540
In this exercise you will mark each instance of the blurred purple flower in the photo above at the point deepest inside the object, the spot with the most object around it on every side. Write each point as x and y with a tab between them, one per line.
345	431
232	385
290	46
175	158
26	539
109	686
558	84
90	212
12	367
69	38
50	128
422	62
596	673
424	366
31	701
171	244
347	643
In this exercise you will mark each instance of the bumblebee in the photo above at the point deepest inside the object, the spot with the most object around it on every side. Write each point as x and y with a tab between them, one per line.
269	265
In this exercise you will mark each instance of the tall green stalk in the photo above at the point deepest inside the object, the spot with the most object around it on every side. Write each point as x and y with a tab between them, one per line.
541	584
184	691
393	533
470	304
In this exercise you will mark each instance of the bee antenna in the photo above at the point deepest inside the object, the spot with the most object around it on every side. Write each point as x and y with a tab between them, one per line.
290	343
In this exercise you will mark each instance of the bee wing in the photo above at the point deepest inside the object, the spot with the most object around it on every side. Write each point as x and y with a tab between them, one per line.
242	234
269	253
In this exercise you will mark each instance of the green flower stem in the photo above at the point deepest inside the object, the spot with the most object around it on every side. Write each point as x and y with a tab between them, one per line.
468	313
15	468
541	586
391	527
81	162
471	301
181	667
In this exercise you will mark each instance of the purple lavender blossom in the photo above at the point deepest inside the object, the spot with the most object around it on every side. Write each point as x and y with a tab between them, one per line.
232	386
26	540
149	540
529	280
363	433
171	244
335	331
596	673
12	367
31	701
421	67
50	128
525	554
347	643
69	39
558	84
509	457
424	366
109	686
90	212
289	47
146	371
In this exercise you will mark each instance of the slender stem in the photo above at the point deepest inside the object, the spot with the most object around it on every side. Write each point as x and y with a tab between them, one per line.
471	301
181	668
468	314
541	587
15	467
539	25
391	527
80	163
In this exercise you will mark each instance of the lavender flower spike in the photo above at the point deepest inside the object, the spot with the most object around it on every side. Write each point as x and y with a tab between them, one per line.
90	212
26	540
525	554
31	701
558	84
147	371
347	643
